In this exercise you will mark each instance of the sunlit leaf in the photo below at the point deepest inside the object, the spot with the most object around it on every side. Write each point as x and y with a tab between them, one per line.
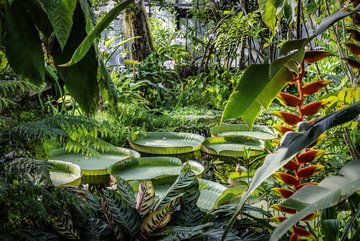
85	45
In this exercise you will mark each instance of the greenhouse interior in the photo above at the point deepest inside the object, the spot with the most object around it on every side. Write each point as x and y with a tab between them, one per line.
173	120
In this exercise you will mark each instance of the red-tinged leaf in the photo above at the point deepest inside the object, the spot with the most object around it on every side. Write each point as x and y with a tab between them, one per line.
311	217
309	156
288	118
311	108
314	87
354	48
356	18
352	62
314	56
278	219
283	129
291	165
293	237
298	187
309	171
283	192
303	233
279	208
354	34
288	100
286	178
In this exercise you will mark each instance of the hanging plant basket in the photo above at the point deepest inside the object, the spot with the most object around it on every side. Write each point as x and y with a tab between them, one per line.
258	131
165	143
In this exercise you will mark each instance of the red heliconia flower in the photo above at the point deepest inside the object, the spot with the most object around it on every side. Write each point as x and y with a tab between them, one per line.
283	192
278	219
279	208
303	233
291	165
293	237
289	100
308	171
314	87
311	108
311	216
309	156
286	178
305	184
283	129
288	118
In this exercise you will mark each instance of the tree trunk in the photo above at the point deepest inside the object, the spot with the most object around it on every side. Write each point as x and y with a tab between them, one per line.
136	25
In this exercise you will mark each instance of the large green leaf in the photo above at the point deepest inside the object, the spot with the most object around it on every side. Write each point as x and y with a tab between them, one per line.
64	173
158	218
60	13
151	167
257	132
81	78
165	143
328	193
291	144
255	88
85	45
272	10
39	17
146	197
234	146
64	226
94	165
126	191
97	230
23	46
124	219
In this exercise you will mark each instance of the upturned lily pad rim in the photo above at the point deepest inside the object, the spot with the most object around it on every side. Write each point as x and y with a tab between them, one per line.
129	153
255	147
161	161
66	167
238	128
169	150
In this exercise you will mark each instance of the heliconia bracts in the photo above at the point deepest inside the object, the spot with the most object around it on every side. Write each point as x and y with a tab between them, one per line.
298	172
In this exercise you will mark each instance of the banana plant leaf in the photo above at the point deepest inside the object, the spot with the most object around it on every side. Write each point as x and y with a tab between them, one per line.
94	165
328	193
64	173
165	143
257	132
151	167
209	191
233	146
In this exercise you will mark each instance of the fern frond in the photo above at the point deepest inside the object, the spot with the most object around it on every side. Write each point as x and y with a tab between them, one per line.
9	87
6	103
38	131
26	170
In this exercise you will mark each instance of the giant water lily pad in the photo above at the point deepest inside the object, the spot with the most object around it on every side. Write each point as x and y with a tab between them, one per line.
232	146
64	173
209	191
151	167
94	165
257	132
165	143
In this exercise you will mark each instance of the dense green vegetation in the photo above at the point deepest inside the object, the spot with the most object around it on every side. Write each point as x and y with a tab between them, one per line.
259	100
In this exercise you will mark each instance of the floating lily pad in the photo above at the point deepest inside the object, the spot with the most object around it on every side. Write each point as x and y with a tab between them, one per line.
232	146
209	191
151	167
165	143
64	173
94	165
257	132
